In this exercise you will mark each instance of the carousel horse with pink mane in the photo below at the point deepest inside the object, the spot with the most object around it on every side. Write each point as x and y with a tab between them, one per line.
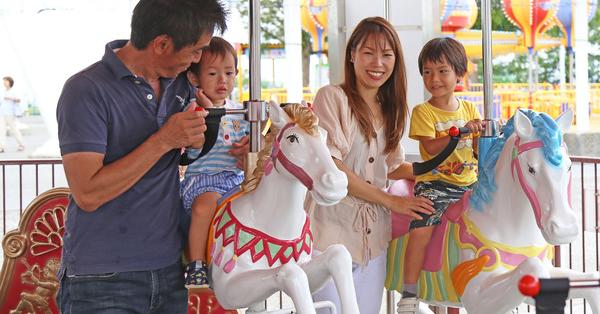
261	238
505	228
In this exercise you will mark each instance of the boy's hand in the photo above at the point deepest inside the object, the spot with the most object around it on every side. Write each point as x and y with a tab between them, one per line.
203	100
475	125
240	149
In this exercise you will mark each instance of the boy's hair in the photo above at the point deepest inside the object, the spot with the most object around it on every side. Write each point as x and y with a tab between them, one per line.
392	94
184	21
218	47
444	48
10	81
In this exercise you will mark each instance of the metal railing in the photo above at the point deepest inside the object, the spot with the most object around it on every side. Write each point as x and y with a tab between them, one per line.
583	254
23	180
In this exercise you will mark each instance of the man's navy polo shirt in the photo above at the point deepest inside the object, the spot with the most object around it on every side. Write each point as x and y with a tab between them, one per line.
108	110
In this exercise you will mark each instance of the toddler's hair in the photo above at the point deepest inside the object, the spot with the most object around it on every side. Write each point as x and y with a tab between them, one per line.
218	47
444	48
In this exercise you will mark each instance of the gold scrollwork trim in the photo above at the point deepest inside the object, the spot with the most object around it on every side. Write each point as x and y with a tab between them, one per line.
8	264
53	227
14	245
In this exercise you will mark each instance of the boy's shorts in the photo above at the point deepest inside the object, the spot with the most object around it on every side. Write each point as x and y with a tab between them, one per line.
442	194
195	185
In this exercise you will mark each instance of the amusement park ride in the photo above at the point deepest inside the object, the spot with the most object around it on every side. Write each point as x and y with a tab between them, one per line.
261	237
533	18
487	241
262	243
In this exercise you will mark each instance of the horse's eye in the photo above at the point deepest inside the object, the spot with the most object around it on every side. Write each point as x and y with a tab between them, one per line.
571	165
531	170
293	138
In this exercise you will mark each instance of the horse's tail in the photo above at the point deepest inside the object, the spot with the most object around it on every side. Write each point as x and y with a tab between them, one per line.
464	272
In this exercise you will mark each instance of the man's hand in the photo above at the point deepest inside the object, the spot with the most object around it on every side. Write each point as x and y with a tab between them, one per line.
184	129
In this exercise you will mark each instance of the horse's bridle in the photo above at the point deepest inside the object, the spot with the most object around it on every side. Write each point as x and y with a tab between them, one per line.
277	154
533	199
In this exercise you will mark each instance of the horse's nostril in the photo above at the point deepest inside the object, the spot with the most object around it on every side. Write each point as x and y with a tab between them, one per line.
333	179
554	226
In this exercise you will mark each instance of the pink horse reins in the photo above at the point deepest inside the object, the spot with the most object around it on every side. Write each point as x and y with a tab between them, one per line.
277	154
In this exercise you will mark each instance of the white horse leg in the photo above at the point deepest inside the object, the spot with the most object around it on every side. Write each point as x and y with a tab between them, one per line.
246	288
498	293
249	287
591	295
294	282
337	262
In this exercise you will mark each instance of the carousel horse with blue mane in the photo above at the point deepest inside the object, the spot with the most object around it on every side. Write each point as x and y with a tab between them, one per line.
261	238
505	228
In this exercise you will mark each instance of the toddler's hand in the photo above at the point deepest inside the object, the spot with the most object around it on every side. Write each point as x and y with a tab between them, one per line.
203	100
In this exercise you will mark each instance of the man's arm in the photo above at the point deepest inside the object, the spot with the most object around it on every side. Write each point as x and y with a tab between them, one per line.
93	184
15	99
10	95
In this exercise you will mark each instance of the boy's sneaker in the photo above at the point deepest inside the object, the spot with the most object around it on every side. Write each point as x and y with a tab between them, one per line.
196	275
411	305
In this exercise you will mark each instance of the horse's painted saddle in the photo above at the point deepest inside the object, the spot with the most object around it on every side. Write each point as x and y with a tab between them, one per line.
433	256
258	244
469	237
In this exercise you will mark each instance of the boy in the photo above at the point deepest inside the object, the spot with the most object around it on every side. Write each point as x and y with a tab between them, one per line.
216	173
442	62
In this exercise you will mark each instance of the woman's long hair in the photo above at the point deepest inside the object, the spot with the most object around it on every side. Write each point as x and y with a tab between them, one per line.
391	95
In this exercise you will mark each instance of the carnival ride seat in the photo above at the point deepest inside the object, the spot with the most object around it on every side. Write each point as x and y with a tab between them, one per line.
32	253
401	224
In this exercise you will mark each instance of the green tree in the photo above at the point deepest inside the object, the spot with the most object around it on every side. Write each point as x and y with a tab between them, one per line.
594	57
499	21
515	71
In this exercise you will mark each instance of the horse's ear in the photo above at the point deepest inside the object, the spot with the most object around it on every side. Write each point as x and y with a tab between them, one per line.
564	120
523	126
278	116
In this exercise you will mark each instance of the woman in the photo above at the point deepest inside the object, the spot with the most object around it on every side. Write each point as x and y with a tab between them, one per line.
365	117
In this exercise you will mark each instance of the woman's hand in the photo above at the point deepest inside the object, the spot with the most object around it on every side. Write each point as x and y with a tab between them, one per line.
410	205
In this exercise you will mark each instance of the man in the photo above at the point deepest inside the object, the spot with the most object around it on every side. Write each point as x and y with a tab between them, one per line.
120	131
10	109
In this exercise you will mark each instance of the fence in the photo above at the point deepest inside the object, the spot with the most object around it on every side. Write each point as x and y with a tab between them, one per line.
508	97
583	254
23	180
547	98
